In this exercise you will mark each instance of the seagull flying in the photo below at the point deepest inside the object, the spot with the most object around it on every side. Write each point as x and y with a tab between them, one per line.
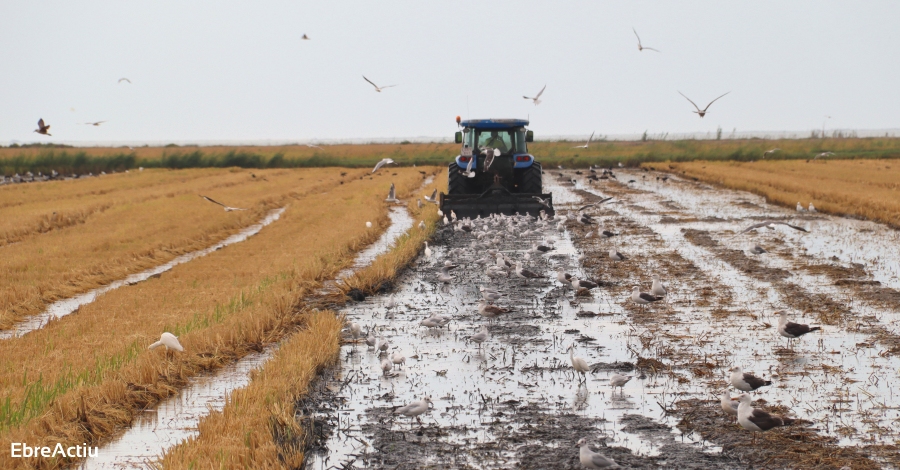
227	208
123	79
823	155
469	173
641	47
536	99
377	88
544	202
701	112
433	198
95	124
770	224
383	162
586	144
770	152
594	204
42	128
316	147
305	37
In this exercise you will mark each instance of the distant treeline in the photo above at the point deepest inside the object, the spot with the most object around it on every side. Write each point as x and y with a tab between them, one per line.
551	154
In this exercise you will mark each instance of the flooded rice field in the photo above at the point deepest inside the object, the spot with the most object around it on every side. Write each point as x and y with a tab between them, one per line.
177	418
515	400
65	307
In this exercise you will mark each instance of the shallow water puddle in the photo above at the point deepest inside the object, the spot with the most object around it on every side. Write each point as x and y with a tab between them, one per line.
175	419
65	307
525	365
846	389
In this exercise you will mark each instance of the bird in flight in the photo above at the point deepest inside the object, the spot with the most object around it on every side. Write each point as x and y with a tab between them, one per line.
823	154
377	88
701	112
585	145
771	224
770	152
314	146
95	124
640	47
469	173
42	128
227	208
383	162
305	37
536	99
123	79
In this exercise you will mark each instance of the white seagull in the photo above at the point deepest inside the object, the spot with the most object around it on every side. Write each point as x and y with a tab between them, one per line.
414	409
536	99
227	208
658	289
392	195
469	173
812	208
168	340
123	79
616	256
729	405
701	112
427	251
643	298
641	47
433	198
383	162
770	152
585	145
482	336
745	381
377	88
619	380
591	459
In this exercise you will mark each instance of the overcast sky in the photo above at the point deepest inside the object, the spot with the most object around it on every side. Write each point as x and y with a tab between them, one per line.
225	70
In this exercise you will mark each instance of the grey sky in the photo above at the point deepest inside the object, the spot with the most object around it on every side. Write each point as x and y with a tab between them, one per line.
226	70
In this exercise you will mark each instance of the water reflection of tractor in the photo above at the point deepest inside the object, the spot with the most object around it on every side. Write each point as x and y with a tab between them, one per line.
494	173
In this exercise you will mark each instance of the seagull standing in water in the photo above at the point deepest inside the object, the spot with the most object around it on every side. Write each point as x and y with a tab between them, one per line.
445	276
168	340
414	409
658	289
643	298
392	195
745	381
383	162
227	208
701	112
591	459
427	251
523	273
480	337
616	256
490	311
536	99
619	380
756	420
791	330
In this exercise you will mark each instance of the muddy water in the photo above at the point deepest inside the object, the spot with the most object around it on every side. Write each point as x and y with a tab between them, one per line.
65	307
487	402
835	378
173	420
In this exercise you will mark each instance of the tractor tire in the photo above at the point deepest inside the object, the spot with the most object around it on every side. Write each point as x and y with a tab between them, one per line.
531	179
456	182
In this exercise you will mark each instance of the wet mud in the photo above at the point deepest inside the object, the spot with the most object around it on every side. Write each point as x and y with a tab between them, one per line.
516	401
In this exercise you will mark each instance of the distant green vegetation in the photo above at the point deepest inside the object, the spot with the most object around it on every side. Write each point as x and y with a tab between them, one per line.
551	154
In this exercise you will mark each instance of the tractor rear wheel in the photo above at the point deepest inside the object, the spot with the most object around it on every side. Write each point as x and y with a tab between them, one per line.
456	182
531	179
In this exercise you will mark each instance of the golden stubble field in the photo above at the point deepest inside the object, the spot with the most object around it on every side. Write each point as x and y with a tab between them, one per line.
868	189
81	376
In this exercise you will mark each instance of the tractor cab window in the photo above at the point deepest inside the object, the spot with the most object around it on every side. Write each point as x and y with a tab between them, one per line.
508	141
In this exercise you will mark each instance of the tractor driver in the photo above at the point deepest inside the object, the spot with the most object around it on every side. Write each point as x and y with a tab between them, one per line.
495	141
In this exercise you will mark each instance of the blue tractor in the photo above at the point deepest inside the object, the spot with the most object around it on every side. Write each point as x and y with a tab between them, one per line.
494	173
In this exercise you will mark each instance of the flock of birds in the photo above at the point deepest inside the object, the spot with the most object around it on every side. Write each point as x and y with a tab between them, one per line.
486	235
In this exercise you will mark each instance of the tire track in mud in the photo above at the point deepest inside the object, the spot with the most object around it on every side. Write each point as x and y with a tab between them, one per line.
768	278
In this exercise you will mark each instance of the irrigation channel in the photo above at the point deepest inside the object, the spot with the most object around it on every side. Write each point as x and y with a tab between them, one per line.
68	306
516	402
177	418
